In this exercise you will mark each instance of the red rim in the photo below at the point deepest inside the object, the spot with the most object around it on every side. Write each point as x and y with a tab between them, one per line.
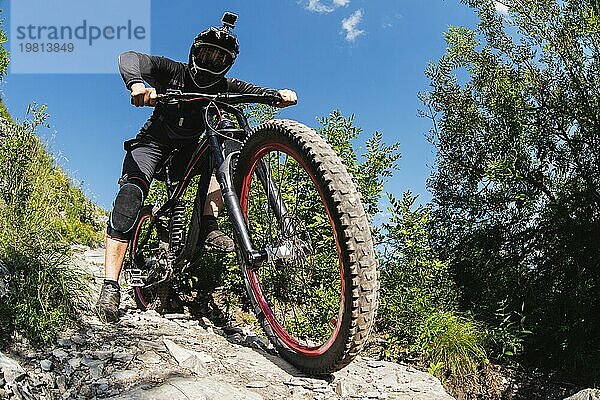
138	290
289	340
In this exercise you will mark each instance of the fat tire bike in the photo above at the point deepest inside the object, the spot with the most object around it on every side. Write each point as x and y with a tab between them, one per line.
303	240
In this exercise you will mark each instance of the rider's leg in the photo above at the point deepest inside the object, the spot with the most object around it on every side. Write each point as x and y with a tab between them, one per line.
110	295
214	199
213	238
113	257
138	168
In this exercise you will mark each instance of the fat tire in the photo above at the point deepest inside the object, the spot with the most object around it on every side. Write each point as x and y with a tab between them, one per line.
146	212
353	234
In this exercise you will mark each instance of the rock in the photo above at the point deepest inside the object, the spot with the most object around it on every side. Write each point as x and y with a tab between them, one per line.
86	391
101	361
90	362
102	355
102	386
585	394
122	357
192	360
46	365
74	362
61	383
235	338
36	380
60	354
148	345
126	375
176	316
181	354
232	330
255	342
149	357
375	364
79	339
64	342
97	370
376	379
257	384
183	389
67	369
11	369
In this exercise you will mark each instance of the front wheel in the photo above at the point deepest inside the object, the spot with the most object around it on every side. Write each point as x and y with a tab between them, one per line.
317	305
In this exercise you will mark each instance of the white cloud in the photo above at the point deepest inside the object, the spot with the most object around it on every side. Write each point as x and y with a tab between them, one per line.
501	8
341	3
317	6
350	26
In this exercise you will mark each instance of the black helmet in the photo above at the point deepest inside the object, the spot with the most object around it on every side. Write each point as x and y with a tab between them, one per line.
213	53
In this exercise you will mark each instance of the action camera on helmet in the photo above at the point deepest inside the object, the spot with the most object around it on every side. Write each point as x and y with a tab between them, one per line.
229	19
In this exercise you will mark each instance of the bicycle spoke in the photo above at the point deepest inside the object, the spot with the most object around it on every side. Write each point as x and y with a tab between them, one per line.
303	293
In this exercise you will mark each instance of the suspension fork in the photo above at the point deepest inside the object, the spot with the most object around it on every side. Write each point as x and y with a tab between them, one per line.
263	172
252	256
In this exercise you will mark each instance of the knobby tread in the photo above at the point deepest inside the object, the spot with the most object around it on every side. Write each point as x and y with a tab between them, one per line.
354	236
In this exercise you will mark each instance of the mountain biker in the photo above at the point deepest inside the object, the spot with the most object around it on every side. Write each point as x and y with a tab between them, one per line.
211	56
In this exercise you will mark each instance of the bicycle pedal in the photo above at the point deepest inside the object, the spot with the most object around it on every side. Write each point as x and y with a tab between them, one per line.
137	278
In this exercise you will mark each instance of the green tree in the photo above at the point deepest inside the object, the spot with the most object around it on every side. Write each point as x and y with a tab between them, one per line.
515	106
414	282
369	169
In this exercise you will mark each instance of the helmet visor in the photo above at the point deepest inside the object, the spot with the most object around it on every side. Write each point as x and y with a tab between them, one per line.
211	57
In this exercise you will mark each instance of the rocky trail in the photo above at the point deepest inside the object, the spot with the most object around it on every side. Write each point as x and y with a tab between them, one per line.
149	356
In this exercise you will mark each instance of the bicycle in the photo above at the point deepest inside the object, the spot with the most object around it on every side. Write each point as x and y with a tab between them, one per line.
303	241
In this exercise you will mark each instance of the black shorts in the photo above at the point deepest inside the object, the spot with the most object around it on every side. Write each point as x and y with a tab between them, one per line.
150	148
144	157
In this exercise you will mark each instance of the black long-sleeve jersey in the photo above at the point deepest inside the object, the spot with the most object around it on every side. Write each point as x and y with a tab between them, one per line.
183	121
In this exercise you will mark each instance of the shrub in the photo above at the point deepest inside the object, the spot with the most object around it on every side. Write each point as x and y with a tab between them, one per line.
414	282
40	214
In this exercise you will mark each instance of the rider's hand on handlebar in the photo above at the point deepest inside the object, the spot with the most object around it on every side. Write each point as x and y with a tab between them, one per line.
142	96
288	98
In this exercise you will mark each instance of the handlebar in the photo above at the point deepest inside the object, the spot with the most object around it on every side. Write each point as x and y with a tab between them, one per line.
174	97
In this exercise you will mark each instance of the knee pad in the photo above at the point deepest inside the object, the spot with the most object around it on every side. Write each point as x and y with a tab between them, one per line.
126	207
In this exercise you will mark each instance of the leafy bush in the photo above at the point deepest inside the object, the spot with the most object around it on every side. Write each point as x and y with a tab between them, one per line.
414	282
41	213
506	334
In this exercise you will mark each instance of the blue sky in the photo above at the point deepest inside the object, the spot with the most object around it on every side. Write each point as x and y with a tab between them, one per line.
363	57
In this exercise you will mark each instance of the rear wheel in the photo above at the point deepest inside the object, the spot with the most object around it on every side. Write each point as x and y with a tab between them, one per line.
148	252
318	305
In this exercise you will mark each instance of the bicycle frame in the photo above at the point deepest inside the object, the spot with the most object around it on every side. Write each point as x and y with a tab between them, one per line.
210	152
